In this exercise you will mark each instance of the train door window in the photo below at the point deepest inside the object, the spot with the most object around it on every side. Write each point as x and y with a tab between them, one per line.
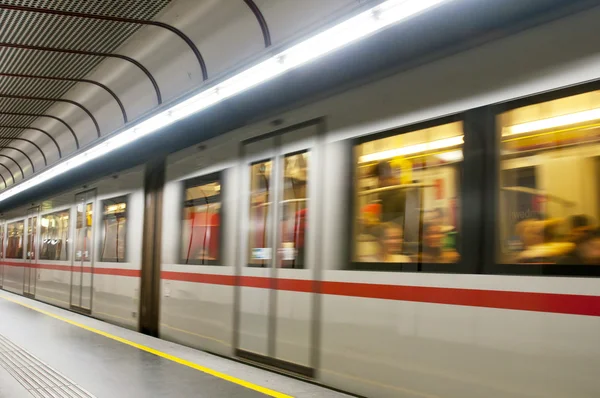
31	237
407	188
293	205
83	231
201	221
260	250
550	182
114	230
54	230
14	244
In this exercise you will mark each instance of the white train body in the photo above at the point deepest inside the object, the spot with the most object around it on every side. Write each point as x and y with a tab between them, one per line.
372	333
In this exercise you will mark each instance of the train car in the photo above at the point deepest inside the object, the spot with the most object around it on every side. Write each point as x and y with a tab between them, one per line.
467	291
432	233
80	249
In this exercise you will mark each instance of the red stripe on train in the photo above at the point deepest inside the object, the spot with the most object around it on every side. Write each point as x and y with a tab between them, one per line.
68	268
510	300
524	301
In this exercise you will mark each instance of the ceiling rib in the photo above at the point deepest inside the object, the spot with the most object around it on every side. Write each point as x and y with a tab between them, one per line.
94	54
71	79
36	129
44	115
48	47
15	162
68	101
23	153
9	172
29	141
264	27
163	25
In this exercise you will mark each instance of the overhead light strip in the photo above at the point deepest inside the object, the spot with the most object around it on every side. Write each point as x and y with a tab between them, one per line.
358	27
553	122
413	149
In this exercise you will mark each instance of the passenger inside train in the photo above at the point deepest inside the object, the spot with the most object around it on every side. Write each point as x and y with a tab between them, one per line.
549	183
407	184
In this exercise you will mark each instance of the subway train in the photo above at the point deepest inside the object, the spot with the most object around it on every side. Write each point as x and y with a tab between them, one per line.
432	233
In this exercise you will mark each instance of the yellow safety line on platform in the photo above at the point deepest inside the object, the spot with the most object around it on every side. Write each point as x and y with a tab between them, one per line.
161	354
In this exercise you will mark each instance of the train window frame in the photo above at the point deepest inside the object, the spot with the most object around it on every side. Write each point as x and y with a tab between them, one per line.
492	265
116	199
351	194
67	249
23	237
191	182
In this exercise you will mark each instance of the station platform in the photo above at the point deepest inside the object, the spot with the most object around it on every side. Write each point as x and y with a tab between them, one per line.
50	352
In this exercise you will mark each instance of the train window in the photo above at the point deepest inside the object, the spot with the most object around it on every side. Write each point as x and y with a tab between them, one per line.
550	182
407	199
294	210
201	221
259	254
114	230
14	244
55	236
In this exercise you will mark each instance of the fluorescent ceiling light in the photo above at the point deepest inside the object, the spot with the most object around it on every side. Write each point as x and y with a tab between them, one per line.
451	156
553	122
356	28
413	149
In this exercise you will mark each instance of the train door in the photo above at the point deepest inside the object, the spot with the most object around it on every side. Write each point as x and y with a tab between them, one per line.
82	271
30	268
276	315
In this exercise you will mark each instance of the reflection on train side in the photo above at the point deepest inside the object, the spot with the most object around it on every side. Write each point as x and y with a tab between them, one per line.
14	246
114	214
550	182
407	188
55	236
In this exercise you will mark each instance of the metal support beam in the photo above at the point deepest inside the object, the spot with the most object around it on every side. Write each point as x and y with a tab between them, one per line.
154	180
36	129
94	54
82	15
70	79
261	21
48	116
4	181
28	141
67	101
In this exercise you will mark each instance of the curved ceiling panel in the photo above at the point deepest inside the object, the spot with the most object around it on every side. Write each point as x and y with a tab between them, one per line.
73	71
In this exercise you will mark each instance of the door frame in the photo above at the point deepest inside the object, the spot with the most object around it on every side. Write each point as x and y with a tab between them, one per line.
32	212
317	203
80	308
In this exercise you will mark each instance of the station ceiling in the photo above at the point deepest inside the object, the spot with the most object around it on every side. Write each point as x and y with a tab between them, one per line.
72	72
